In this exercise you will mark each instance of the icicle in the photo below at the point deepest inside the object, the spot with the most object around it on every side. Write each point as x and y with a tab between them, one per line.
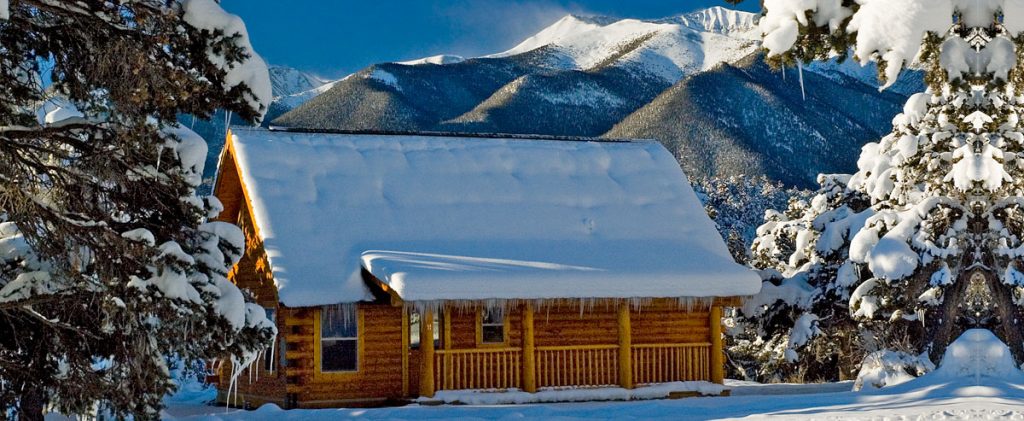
227	123
800	70
273	348
237	367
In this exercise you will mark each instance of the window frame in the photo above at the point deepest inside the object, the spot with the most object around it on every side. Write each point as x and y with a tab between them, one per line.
480	330
438	329
319	340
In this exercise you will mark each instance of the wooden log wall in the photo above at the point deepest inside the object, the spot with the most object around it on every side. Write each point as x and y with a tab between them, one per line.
379	377
256	385
663	322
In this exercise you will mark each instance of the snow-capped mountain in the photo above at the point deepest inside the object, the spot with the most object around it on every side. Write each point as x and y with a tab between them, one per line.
438	59
676	79
285	81
608	66
721	21
669	48
292	87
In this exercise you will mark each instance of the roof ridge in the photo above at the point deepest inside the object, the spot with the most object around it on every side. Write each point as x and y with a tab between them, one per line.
427	133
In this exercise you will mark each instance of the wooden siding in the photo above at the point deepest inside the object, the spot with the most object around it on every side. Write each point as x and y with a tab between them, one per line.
253	270
565	325
379	375
255	385
664	322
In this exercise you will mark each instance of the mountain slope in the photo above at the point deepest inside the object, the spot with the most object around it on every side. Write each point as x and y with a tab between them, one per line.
392	96
285	81
748	119
693	81
579	76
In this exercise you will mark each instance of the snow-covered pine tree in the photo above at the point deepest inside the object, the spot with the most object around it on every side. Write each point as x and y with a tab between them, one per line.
107	267
925	240
802	257
737	204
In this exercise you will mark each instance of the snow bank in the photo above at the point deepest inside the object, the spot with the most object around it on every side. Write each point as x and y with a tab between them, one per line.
450	218
515	396
5	9
978	353
975	356
890	368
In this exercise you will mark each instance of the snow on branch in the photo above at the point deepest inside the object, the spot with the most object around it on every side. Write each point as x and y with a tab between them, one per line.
894	33
251	71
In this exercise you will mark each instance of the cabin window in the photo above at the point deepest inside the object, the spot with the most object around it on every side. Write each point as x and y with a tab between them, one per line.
339	339
268	355
492	327
414	329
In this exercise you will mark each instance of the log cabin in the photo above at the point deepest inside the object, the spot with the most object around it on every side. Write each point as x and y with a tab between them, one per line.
399	266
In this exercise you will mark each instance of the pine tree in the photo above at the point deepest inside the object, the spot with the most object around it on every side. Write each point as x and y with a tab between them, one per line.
107	266
925	240
737	205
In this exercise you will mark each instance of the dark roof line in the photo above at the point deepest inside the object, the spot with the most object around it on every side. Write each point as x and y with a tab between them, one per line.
455	134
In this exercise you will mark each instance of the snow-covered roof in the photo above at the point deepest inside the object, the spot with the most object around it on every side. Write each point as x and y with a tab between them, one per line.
455	218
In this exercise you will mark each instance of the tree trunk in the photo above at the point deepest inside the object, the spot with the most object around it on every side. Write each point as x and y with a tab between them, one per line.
1009	316
942	327
30	405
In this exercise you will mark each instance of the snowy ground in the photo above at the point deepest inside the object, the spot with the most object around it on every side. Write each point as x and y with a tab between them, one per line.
957	399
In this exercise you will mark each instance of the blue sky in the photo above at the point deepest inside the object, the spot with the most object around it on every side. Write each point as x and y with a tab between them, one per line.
336	37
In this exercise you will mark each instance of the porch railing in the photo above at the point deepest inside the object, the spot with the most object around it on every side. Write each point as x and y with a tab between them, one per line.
557	366
480	368
588	365
663	363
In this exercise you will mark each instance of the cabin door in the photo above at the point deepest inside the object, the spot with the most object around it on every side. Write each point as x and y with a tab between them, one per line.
415	355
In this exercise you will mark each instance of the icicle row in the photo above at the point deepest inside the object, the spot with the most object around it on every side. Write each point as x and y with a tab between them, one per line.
503	306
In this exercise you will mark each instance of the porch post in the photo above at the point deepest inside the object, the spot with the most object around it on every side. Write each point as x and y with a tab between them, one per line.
427	353
405	352
717	350
625	347
529	348
446	342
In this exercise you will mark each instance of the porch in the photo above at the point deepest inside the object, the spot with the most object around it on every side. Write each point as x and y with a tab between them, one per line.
625	349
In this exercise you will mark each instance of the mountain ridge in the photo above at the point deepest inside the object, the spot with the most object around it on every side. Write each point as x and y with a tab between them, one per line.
599	76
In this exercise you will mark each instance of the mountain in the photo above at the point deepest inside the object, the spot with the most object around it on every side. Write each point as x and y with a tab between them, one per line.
292	87
745	119
438	59
289	87
696	82
286	81
579	76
